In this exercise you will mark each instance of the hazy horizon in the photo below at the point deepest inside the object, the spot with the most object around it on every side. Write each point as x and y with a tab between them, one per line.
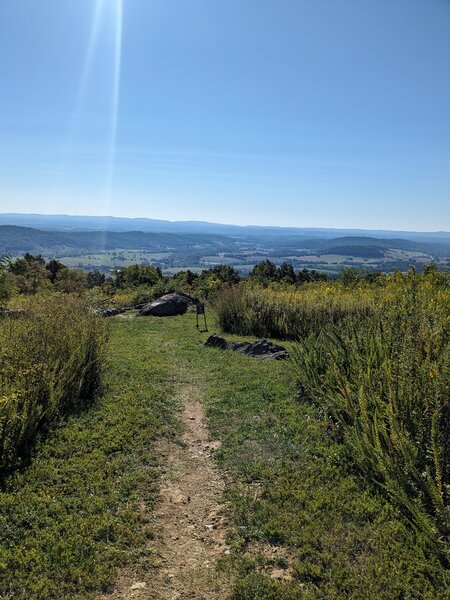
228	224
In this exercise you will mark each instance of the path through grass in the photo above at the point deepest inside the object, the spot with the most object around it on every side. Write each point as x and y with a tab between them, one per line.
302	525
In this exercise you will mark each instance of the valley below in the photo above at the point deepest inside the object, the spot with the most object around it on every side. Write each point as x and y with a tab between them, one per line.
94	243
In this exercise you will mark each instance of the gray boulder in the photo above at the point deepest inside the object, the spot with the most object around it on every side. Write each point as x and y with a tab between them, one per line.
261	349
216	341
190	299
240	346
166	306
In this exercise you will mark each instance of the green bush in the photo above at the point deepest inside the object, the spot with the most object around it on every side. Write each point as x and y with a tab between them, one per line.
136	275
50	363
5	291
384	383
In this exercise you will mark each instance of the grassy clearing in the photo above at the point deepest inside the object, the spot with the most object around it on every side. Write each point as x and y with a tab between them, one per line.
304	524
119	258
70	518
296	503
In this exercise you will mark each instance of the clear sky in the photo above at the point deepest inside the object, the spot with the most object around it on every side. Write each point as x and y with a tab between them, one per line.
331	113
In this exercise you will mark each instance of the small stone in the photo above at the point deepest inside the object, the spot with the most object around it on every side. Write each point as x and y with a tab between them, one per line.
140	585
280	574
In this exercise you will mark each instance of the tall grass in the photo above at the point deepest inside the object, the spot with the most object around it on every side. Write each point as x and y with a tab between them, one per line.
384	383
289	312
50	363
375	359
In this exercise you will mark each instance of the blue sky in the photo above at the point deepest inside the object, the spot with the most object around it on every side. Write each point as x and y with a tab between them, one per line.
330	113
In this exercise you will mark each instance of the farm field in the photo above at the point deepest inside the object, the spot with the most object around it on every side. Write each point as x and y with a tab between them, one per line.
119	258
193	452
330	263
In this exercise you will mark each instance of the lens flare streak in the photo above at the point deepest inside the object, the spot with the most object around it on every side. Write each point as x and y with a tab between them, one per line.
115	96
102	11
93	41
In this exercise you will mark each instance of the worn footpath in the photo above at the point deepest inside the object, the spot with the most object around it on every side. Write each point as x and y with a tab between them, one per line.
189	520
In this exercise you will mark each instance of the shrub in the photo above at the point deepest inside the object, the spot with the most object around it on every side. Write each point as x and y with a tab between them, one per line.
5	291
71	281
49	366
136	275
384	384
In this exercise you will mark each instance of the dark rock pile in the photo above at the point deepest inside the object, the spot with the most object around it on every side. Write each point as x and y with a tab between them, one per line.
261	349
112	312
109	312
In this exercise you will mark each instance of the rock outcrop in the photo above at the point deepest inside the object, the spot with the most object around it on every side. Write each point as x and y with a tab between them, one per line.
260	349
167	306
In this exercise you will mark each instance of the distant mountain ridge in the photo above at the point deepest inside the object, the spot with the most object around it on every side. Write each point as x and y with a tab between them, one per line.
15	239
122	224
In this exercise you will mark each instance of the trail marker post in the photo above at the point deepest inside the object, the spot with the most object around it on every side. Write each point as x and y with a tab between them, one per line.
200	310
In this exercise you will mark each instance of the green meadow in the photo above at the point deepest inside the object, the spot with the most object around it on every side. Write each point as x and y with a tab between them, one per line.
322	498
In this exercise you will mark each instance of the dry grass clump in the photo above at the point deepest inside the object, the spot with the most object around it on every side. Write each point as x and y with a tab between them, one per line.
290	312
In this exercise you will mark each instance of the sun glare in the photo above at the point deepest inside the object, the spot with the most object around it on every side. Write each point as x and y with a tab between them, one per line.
104	11
115	94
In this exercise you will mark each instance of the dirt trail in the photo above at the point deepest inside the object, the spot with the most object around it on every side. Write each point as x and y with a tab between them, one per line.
189	524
